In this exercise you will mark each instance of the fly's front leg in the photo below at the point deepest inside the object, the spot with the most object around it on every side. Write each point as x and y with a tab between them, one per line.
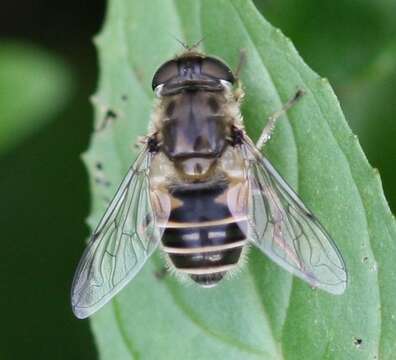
140	142
241	64
148	140
238	92
269	128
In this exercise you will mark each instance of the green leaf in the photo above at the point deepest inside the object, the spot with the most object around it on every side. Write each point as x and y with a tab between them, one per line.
363	73
34	86
341	38
263	313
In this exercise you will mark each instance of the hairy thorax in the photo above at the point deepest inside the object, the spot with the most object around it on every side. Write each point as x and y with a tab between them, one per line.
194	130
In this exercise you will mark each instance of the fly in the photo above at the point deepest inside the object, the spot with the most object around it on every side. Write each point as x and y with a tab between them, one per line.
202	191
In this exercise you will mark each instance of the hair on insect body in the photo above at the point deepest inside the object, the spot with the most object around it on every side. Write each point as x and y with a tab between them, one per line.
201	190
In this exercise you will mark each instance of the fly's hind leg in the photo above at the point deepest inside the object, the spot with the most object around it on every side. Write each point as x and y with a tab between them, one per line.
270	126
101	180
109	117
161	273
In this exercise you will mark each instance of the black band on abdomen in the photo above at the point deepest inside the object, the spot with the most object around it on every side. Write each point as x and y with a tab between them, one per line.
202	238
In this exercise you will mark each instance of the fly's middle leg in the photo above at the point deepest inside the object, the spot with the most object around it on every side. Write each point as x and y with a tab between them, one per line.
161	273
101	180
270	126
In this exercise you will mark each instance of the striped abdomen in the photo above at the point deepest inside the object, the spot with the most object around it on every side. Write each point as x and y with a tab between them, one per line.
202	238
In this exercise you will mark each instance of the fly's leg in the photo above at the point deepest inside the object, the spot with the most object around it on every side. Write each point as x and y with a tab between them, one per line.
140	142
270	126
161	273
238	92
101	180
109	117
151	141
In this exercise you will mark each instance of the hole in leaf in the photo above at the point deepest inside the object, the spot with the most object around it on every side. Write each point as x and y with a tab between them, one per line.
358	342
109	116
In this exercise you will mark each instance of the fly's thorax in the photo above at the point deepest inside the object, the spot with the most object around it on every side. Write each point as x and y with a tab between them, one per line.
193	130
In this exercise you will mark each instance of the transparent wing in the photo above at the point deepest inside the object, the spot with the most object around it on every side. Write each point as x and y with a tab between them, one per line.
285	230
125	237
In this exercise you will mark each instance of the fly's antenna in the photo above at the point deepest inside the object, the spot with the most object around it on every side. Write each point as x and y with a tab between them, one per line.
195	45
185	46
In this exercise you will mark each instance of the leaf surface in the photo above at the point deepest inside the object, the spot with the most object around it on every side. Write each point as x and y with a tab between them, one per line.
262	313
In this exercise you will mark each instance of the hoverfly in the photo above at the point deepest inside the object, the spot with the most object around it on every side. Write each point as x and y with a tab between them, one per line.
202	191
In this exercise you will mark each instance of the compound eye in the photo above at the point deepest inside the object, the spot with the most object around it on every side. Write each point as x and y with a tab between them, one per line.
166	72
217	69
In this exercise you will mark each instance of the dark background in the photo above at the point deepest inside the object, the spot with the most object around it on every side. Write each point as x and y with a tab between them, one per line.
43	184
44	191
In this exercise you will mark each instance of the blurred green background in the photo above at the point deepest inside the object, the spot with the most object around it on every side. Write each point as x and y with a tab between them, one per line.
48	70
